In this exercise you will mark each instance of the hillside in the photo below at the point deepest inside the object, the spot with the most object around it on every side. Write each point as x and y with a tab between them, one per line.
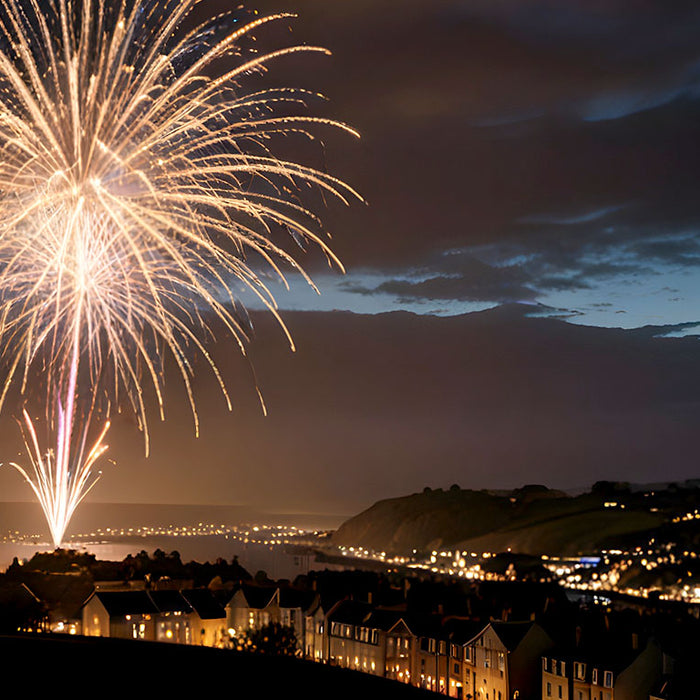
532	520
60	665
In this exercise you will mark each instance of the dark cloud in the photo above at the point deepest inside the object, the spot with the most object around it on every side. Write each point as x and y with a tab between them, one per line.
683	251
461	278
418	78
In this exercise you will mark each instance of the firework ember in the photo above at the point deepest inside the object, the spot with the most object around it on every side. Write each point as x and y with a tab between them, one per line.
138	191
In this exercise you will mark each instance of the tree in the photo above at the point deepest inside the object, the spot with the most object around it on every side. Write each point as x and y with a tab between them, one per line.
270	639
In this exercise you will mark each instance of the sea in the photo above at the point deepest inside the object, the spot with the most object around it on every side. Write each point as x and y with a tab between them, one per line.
201	533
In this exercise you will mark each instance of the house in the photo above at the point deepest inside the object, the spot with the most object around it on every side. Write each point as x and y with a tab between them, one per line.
63	595
315	636
121	614
505	661
207	619
20	609
396	643
173	619
608	671
350	642
430	657
459	667
252	607
293	605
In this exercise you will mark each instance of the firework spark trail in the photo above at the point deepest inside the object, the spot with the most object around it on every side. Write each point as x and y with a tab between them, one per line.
135	188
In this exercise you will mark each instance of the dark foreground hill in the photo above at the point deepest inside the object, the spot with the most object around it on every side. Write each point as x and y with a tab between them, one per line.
56	666
531	520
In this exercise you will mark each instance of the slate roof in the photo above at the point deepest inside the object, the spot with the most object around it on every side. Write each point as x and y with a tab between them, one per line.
170	601
63	595
607	655
121	603
294	598
257	597
511	633
428	626
350	612
384	619
204	603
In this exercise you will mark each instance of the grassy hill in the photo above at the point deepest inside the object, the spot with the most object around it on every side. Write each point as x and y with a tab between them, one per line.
532	520
84	666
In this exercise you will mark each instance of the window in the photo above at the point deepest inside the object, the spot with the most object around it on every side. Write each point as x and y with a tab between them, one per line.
545	665
559	691
549	689
456	669
608	679
454	651
501	661
595	676
562	668
443	648
467	653
487	658
580	671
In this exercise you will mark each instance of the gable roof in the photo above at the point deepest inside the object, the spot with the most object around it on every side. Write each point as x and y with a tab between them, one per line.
350	612
294	598
256	597
170	601
384	619
511	633
204	603
122	603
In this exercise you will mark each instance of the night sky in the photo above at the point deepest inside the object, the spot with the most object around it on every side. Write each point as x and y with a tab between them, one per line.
523	283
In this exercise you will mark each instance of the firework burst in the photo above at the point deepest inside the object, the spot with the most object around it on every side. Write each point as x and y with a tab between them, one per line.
138	190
